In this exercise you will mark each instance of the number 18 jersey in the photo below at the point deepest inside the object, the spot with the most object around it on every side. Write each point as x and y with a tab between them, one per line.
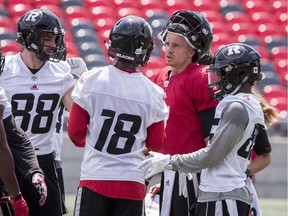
121	107
35	98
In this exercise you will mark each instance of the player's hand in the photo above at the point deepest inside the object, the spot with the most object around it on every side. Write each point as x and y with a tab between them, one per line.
40	185
78	66
155	164
20	206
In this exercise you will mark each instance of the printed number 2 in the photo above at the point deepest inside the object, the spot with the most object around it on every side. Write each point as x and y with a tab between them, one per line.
119	132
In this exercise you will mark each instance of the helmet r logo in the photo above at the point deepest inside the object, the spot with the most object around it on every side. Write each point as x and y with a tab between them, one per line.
32	18
233	52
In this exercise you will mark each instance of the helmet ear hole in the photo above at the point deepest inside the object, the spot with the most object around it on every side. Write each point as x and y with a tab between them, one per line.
20	38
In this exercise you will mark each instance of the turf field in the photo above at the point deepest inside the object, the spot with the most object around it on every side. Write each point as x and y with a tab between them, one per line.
270	207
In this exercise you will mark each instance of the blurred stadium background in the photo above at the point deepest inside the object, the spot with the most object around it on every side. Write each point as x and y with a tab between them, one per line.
259	23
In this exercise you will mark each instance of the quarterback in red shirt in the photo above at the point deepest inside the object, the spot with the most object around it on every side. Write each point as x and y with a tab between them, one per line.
187	37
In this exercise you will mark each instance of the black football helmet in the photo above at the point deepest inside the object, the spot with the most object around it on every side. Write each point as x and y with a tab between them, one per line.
195	29
233	66
131	38
31	27
2	60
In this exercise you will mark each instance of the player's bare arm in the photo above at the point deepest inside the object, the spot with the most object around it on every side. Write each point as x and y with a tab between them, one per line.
67	99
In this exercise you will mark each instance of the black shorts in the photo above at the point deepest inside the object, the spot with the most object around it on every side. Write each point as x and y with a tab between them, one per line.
89	203
53	205
61	185
179	204
223	207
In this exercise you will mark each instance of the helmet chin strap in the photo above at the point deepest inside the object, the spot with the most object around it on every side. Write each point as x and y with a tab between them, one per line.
238	87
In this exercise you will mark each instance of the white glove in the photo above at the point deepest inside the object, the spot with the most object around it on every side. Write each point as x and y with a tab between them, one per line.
155	164
78	66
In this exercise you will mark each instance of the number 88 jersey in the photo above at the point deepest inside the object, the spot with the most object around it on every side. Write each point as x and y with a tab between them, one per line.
35	98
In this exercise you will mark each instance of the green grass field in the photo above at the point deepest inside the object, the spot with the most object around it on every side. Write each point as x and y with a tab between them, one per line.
270	207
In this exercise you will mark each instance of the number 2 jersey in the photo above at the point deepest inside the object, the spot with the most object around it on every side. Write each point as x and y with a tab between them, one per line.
121	107
225	159
230	174
35	98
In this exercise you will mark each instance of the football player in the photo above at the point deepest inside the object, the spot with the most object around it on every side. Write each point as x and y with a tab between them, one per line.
116	113
78	66
36	81
24	157
238	117
187	37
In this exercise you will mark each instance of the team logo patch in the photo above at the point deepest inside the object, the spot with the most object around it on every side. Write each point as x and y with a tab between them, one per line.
233	51
34	87
32	17
34	77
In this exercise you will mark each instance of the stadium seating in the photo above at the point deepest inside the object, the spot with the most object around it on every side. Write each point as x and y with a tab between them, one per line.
17	10
10	47
7	34
5	22
150	4
3	11
227	6
81	23
250	39
94	3
270	78
87	23
99	12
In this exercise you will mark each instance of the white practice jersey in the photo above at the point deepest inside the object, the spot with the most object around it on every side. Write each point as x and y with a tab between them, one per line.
35	98
4	101
230	173
121	107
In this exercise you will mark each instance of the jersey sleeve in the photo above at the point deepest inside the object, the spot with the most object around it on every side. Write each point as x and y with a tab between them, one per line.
80	93
21	148
63	71
160	109
262	144
4	101
77	125
228	134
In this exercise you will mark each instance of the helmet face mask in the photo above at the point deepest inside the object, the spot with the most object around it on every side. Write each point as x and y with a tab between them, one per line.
195	29
34	26
232	67
131	38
